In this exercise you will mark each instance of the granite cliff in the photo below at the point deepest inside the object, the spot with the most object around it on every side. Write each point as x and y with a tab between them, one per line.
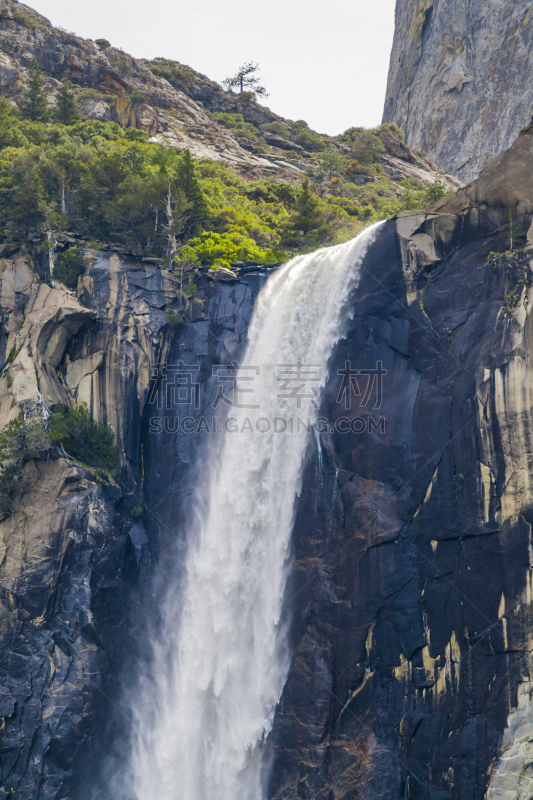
459	79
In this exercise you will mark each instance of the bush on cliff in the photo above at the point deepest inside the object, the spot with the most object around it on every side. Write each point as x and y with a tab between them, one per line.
69	267
85	440
20	440
221	249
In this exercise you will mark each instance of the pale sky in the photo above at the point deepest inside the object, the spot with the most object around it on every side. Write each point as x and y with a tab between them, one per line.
324	61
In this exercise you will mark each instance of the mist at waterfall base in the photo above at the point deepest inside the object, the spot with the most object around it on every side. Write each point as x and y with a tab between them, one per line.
202	711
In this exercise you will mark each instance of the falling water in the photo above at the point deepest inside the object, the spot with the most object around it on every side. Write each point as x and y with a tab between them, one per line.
220	664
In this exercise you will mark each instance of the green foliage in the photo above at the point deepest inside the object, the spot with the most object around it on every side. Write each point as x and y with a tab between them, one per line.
26	20
138	97
248	97
309	222
435	191
190	186
236	124
393	128
11	134
68	111
366	146
307	140
69	267
21	439
332	163
95	94
516	233
276	127
84	439
153	200
22	188
173	319
35	105
135	135
178	75
221	249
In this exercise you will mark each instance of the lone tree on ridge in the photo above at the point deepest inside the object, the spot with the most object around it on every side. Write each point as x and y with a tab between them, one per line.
246	81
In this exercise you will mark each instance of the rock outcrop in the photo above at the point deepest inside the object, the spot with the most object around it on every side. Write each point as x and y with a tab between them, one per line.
459	80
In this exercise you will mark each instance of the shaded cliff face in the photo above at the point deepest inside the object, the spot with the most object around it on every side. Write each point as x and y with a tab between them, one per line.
461	67
411	588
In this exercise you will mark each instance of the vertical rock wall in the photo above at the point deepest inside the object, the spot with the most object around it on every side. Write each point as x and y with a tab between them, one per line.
459	80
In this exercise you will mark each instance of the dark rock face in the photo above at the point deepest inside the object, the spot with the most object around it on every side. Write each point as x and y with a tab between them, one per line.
461	67
411	585
61	624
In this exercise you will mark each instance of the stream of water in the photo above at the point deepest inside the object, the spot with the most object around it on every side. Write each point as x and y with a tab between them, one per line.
220	664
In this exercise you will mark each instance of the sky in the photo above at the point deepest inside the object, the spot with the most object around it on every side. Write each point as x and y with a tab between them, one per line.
324	61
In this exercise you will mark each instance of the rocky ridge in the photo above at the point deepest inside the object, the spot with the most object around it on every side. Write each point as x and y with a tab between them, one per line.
113	86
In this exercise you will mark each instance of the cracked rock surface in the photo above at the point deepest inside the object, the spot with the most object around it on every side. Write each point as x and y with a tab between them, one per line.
459	78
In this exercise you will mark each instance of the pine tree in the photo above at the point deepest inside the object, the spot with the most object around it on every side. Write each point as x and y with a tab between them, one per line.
308	213
190	185
245	80
68	111
516	233
35	106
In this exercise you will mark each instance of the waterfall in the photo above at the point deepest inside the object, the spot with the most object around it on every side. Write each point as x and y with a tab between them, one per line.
52	246
220	661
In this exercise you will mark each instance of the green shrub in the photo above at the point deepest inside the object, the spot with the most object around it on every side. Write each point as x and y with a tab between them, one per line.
276	127
19	441
308	140
247	97
393	128
21	438
173	319
135	135
69	267
95	94
179	75
85	440
366	146
138	97
26	20
221	249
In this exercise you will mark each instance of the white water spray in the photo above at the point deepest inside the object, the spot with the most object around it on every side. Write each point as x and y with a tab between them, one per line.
219	667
